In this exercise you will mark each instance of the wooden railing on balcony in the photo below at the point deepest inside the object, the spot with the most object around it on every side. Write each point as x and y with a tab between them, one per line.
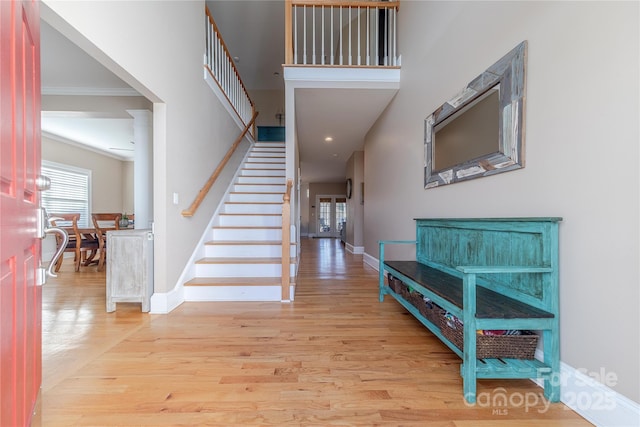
219	63
341	33
286	241
212	179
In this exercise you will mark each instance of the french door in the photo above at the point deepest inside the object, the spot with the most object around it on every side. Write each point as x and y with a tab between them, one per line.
331	214
20	293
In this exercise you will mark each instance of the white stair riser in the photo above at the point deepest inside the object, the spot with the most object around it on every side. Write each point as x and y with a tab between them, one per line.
255	197
240	270
262	172
263	145
234	293
263	165
275	180
252	159
262	153
250	220
251	208
247	234
246	251
263	188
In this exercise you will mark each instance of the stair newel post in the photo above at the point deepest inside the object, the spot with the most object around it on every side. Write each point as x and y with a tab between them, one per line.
286	241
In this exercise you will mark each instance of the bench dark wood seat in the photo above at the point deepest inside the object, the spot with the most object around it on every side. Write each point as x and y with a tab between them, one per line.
489	304
491	273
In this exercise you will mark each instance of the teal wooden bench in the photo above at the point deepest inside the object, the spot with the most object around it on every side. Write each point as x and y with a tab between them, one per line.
493	273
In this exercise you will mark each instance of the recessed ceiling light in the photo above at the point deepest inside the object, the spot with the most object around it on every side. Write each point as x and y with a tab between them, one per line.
276	73
335	155
328	139
236	58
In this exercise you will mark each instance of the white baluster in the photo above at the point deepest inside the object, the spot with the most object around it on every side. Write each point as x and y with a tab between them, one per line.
340	36
332	62
368	36
295	34
304	34
359	54
313	31
395	36
322	53
350	37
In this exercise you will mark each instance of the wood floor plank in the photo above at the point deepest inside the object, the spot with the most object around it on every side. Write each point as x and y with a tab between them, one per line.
334	356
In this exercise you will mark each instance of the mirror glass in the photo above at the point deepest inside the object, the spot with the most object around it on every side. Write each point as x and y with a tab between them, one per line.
480	131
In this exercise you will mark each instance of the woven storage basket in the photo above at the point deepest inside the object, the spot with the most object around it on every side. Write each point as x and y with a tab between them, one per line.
492	346
395	284
431	312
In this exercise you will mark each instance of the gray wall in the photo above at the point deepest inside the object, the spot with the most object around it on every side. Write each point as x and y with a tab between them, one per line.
111	181
581	153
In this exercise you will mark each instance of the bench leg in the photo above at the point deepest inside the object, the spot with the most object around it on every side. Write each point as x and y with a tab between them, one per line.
381	285
469	381
552	359
469	331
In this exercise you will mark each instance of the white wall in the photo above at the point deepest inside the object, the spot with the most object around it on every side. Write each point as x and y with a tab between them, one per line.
192	131
581	153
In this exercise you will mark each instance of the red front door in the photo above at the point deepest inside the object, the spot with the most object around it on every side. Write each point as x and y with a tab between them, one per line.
20	295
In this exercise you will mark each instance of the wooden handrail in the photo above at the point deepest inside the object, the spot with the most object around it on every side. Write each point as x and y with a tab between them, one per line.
207	186
286	242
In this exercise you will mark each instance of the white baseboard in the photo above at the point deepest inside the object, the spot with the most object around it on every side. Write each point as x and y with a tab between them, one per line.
163	303
356	250
593	400
371	261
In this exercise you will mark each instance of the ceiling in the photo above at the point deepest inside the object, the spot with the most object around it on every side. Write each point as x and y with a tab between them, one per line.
67	70
253	30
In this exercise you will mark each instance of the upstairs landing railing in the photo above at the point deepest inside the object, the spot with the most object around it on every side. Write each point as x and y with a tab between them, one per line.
341	33
219	63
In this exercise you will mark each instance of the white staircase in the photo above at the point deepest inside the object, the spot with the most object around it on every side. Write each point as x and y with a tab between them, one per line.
243	259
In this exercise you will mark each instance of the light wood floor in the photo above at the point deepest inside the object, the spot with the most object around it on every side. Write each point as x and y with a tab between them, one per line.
335	356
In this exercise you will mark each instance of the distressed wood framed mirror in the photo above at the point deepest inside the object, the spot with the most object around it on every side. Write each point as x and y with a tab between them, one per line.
479	132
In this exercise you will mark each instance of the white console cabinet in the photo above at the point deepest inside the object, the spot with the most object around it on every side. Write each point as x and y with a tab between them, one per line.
129	267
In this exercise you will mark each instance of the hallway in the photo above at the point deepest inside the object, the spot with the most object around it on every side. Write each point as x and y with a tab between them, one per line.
335	356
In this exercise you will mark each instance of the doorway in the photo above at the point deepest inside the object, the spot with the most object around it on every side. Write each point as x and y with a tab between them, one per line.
331	215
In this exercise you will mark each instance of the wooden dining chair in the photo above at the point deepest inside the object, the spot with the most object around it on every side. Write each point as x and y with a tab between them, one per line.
104	222
83	248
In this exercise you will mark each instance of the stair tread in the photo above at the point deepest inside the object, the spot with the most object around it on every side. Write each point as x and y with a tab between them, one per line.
247	260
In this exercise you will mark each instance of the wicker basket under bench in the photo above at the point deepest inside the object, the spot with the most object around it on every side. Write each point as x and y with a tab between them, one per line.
506	269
